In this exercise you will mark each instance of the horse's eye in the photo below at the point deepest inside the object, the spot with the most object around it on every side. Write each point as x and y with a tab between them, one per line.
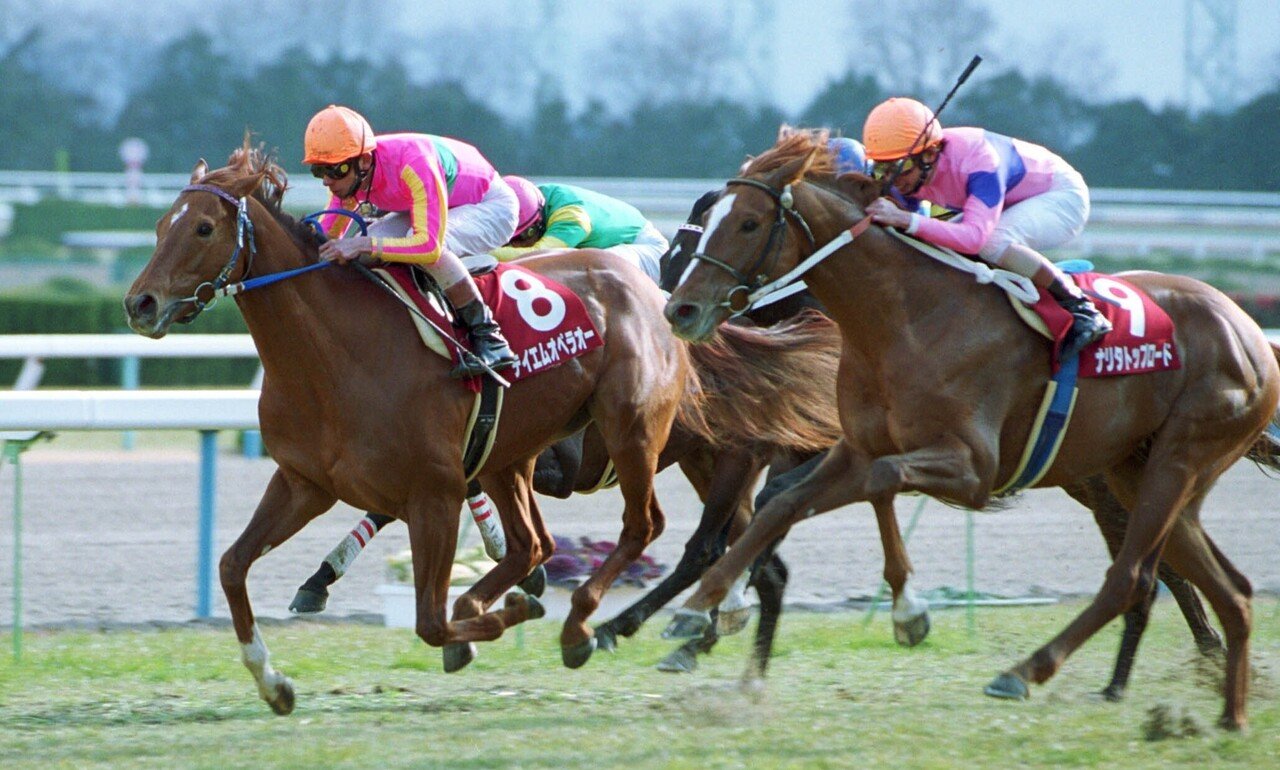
204	229
750	225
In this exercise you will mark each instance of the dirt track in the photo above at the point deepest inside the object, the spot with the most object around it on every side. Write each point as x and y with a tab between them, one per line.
110	537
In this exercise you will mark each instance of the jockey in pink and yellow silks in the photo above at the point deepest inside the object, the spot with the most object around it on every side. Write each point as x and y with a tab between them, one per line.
442	200
1016	198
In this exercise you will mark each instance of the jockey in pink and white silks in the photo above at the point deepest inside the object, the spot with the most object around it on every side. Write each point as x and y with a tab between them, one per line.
443	200
1016	198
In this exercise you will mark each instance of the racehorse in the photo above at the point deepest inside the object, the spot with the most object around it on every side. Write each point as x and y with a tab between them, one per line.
778	410
342	409
1108	513
939	384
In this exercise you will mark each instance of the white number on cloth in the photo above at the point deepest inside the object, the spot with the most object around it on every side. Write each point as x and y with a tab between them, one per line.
526	289
1126	298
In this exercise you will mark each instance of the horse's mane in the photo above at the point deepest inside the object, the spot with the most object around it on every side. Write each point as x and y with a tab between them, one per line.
252	170
796	144
772	386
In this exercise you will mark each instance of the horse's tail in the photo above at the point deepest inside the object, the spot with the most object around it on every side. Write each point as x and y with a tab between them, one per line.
1266	448
773	386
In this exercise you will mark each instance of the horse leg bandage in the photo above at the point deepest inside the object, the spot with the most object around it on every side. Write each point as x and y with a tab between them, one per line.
345	552
490	526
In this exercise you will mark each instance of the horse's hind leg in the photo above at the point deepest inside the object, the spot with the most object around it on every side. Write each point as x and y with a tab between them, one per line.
287	505
1166	491
1196	557
698	467
635	456
1112	519
512	494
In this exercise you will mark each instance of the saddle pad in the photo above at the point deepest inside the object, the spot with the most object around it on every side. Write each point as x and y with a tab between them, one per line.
1141	338
545	323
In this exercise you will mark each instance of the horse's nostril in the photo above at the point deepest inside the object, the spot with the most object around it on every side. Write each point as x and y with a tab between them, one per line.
140	305
686	311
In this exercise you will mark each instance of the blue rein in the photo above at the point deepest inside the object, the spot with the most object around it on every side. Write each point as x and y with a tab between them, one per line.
314	221
222	289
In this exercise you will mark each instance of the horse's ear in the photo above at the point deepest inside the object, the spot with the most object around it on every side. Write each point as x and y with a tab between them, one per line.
197	173
860	187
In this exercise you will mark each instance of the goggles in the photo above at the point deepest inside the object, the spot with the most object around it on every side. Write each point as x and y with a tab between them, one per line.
334	171
884	168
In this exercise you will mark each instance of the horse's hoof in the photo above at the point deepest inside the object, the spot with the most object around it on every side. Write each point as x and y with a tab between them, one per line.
578	654
1008	686
912	632
1112	694
606	639
731	622
680	661
308	602
536	608
458	656
283	703
535	582
687	624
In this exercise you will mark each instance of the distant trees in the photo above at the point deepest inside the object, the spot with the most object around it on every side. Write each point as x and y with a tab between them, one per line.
199	100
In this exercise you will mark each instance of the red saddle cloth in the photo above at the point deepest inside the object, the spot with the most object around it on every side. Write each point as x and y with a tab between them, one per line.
1141	337
545	323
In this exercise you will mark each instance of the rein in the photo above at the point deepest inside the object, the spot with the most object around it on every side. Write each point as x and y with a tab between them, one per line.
220	286
741	298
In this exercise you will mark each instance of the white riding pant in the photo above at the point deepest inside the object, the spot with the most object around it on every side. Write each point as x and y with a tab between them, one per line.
1052	218
473	228
645	252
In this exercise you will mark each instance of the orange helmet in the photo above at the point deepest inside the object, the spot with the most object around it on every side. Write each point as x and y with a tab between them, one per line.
899	127
336	134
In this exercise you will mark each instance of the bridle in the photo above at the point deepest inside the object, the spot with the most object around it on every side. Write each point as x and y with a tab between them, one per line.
244	233
740	298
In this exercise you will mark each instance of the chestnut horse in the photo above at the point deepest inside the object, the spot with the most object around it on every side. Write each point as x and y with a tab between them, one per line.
1108	513
354	407
939	384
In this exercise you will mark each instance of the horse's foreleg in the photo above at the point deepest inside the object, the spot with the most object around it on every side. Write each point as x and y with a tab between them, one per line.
836	481
313	594
910	611
287	505
945	470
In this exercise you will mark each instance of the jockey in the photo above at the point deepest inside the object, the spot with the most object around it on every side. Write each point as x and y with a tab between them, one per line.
851	156
557	216
424	181
1016	198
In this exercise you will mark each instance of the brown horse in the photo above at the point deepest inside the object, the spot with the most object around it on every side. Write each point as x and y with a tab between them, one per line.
354	408
1108	513
939	384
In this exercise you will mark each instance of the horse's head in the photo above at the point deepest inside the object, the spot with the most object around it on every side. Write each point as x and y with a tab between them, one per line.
753	234
685	243
204	241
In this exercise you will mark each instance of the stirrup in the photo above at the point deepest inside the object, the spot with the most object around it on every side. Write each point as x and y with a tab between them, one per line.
1078	339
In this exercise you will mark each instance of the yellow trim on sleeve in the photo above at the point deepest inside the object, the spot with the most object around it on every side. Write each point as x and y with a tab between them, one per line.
545	243
417	216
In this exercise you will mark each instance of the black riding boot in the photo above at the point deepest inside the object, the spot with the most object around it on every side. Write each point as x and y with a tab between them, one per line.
1087	323
487	341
